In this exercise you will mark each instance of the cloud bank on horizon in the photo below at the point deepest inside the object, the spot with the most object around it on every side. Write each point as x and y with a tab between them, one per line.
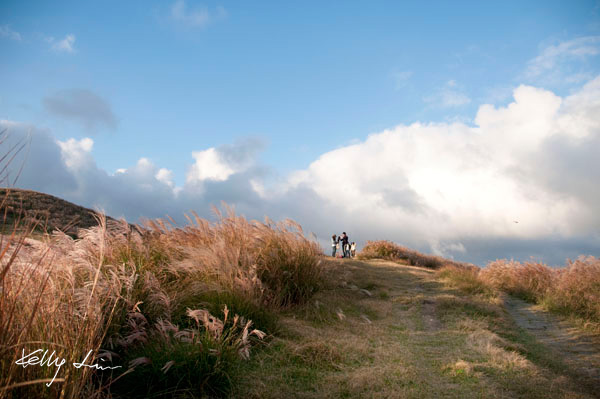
484	117
520	181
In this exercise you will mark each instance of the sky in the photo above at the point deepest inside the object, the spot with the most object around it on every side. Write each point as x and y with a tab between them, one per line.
466	129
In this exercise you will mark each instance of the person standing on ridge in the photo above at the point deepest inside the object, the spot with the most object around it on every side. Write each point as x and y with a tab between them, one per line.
334	244
344	239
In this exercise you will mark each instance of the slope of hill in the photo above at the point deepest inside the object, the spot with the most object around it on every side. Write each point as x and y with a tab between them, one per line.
387	330
234	308
50	212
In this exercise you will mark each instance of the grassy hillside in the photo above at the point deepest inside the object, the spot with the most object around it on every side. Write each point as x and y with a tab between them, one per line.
238	308
46	211
175	309
387	330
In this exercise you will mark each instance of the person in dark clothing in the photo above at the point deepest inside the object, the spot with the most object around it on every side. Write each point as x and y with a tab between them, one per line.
344	239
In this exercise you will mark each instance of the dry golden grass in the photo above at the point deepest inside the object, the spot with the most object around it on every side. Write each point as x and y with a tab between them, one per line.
123	293
576	288
140	298
530	281
572	290
56	296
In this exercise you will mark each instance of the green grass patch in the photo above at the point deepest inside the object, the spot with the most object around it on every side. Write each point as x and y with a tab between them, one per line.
263	318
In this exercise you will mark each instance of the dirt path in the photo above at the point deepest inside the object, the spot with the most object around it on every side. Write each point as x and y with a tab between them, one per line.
386	330
580	351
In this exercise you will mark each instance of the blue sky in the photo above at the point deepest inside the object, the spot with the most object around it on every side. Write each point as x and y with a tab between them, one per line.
285	83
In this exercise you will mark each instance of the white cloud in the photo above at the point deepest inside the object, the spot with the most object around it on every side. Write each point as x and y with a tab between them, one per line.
6	31
195	18
449	188
564	62
76	153
218	164
552	55
208	165
453	99
166	176
259	188
439	183
64	45
449	96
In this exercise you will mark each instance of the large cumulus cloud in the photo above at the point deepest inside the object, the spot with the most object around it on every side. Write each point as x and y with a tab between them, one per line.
34	160
527	172
520	180
68	169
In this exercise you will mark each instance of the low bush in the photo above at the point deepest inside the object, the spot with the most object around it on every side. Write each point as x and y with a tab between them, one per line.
390	251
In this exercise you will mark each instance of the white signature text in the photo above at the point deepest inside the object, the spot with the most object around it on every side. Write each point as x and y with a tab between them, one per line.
52	360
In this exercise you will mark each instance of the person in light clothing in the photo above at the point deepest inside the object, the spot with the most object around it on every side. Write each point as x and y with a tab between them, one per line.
334	244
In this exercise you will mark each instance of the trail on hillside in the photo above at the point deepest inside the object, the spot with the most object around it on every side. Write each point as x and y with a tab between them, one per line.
580	351
386	330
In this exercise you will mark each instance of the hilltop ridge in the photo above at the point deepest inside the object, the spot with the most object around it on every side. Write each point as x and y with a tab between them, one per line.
50	212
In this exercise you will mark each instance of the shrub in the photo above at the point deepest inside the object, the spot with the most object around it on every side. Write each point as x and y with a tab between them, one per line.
390	251
380	250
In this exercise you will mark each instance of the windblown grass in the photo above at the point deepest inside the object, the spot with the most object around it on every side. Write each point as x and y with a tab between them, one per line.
144	299
54	296
530	281
576	289
573	290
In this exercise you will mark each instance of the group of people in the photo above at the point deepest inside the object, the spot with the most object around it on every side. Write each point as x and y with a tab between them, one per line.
348	248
